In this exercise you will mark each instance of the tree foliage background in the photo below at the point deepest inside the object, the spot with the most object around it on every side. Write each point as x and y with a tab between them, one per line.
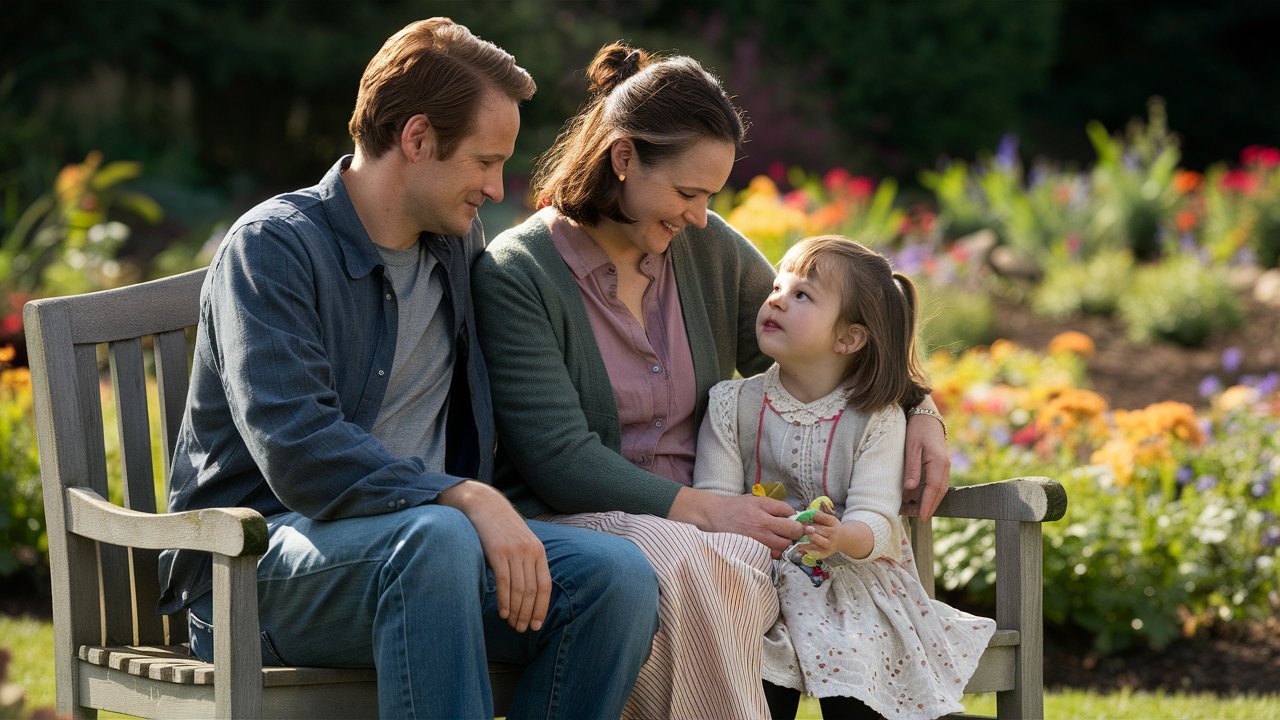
226	101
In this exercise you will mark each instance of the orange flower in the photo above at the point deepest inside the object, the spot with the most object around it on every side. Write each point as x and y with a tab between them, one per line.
1070	409
1073	342
1184	181
1186	220
7	353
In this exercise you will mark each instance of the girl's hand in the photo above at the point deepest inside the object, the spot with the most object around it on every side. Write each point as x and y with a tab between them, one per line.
927	469
828	536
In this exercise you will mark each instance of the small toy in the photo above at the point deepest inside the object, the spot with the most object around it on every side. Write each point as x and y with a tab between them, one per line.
809	563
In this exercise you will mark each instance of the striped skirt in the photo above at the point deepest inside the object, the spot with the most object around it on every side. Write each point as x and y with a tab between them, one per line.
715	602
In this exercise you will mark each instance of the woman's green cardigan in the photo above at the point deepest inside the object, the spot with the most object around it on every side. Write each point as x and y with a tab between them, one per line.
559	438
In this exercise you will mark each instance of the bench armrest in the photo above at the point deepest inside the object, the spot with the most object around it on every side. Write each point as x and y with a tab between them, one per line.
234	532
1028	499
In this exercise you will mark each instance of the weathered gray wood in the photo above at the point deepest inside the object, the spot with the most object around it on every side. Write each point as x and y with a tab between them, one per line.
170	350
234	532
921	537
1029	499
237	649
140	310
1019	605
129	385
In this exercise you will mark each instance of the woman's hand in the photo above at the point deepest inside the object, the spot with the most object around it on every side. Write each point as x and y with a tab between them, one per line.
927	459
760	518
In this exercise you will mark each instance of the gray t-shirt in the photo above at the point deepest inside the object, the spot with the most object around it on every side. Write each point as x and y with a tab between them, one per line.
412	419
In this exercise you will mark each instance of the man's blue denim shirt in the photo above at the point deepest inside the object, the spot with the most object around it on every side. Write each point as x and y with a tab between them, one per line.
293	354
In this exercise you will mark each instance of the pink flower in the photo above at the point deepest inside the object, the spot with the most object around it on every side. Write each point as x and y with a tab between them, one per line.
836	180
860	188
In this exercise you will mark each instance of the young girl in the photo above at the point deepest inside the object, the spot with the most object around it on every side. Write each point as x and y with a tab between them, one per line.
827	419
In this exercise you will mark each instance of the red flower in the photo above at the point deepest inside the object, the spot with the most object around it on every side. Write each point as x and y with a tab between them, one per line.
1261	155
11	324
1240	181
1026	437
777	172
1186	220
860	188
836	179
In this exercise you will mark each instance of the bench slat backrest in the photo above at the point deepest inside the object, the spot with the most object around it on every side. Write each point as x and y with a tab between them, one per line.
105	594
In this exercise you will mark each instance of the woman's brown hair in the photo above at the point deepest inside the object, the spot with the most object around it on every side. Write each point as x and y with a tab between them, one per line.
887	370
664	105
432	67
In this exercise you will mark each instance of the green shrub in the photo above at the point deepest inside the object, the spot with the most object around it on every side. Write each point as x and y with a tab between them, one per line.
954	318
1090	288
23	545
1181	300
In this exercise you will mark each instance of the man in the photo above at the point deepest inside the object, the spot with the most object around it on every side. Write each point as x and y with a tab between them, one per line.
338	388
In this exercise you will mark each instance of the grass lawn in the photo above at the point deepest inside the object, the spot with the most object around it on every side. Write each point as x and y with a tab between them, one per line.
30	642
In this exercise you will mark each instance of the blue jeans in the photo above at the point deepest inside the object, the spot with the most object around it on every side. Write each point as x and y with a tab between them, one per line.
409	593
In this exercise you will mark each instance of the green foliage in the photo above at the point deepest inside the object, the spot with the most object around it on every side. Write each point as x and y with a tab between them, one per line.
1093	287
66	241
23	545
1172	519
1179	299
1133	183
954	318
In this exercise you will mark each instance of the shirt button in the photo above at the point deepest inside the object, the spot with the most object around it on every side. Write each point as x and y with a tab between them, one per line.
391	504
387	296
658	423
401	502
382	372
655	369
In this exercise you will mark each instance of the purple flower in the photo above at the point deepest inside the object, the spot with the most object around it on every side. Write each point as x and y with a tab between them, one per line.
1231	359
960	462
911	259
1205	483
1184	475
1259	489
1268	384
1001	435
1271	537
1210	385
1007	152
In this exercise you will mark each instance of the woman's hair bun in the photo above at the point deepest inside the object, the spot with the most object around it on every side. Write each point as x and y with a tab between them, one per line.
613	64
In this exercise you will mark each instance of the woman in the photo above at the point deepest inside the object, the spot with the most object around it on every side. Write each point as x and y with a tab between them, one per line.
605	319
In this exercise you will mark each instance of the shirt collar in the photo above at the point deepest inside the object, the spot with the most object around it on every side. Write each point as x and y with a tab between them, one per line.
358	250
580	252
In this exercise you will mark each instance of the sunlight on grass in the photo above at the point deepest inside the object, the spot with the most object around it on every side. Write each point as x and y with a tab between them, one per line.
31	642
1122	705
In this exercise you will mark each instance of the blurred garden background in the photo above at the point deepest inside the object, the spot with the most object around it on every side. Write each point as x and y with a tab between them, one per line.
1087	191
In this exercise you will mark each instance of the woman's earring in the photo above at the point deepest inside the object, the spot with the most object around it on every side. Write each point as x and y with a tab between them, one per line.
622	177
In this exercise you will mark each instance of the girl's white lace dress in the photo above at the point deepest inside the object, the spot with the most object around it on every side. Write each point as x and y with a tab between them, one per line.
870	631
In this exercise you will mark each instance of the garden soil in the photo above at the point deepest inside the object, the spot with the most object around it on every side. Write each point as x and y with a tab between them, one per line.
1241	658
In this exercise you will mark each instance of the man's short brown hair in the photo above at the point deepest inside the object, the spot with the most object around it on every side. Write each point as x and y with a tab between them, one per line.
436	68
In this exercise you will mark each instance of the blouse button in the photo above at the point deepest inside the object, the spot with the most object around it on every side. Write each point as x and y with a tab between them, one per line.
382	372
657	423
655	369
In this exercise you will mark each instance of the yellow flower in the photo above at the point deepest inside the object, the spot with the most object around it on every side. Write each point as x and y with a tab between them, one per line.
1071	341
1119	457
7	353
1231	399
16	379
1002	349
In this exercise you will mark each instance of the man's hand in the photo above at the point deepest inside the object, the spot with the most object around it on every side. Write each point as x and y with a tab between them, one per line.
514	553
760	518
926	457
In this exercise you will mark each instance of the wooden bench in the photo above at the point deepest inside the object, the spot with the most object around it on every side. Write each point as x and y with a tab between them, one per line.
113	652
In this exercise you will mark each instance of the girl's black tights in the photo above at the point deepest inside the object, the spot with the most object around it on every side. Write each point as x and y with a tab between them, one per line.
783	703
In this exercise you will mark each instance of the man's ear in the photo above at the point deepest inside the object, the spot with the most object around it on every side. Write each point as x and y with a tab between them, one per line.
418	139
852	339
622	153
